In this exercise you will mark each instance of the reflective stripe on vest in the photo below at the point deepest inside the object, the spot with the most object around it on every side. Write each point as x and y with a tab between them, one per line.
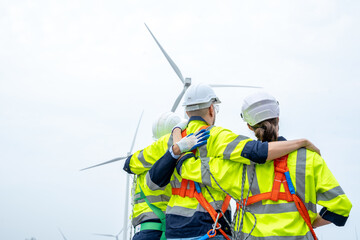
143	161
300	173
151	198
188	212
232	145
307	236
330	194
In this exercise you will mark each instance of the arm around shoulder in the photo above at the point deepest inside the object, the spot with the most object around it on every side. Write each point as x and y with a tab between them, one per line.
281	148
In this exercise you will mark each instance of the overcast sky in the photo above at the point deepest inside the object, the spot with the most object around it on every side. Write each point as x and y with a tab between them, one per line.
75	76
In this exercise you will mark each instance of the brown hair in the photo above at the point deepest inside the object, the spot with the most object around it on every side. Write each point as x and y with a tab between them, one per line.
200	112
266	131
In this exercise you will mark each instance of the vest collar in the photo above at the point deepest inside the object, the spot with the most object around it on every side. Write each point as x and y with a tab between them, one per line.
196	118
281	138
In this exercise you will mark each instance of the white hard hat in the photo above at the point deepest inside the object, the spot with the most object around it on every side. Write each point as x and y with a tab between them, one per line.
164	124
199	96
258	107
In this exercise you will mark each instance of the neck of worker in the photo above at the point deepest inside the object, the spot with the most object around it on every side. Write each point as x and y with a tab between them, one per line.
208	116
200	119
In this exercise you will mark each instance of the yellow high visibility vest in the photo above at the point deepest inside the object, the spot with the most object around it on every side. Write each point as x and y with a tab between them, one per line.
140	163
222	142
313	182
159	198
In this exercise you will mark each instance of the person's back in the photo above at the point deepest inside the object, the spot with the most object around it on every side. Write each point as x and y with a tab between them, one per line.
309	181
148	216
313	183
187	217
186	213
147	221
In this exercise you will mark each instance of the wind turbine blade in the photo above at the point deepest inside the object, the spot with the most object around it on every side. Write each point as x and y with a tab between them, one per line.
126	208
62	234
105	235
178	99
137	128
107	162
173	65
231	85
119	232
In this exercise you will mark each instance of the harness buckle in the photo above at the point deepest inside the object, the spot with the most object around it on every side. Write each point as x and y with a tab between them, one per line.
138	228
216	223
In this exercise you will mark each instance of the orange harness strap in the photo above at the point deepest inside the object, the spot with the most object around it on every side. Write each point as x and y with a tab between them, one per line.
304	213
265	196
183	189
280	168
191	192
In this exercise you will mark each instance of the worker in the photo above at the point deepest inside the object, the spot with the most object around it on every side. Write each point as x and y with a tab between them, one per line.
283	193
186	217
148	217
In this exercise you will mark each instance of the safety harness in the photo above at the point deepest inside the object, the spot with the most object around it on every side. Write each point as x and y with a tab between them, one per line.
282	176
192	189
159	226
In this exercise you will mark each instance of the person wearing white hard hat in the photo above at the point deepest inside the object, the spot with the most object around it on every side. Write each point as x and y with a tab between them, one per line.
200	96
192	212
148	218
164	124
284	193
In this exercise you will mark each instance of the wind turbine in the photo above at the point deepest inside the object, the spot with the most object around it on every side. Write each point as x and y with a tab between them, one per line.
186	84
357	238
109	235
119	158
186	81
126	209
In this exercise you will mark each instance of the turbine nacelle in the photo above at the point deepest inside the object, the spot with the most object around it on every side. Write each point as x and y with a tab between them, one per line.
187	82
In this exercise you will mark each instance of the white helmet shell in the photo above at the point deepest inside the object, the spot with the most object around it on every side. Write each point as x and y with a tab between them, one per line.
199	96
164	124
258	107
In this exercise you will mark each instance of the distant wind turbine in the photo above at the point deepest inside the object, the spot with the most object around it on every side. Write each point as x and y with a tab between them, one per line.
186	84
119	158
109	235
126	208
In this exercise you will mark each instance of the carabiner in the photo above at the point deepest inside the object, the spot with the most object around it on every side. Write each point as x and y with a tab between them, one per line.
216	223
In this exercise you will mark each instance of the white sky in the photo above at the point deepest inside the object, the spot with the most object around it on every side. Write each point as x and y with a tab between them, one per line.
75	76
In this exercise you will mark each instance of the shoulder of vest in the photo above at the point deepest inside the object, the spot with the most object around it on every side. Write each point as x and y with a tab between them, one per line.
218	130
164	138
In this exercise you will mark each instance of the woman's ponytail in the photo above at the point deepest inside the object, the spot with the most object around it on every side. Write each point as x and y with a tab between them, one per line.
267	131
